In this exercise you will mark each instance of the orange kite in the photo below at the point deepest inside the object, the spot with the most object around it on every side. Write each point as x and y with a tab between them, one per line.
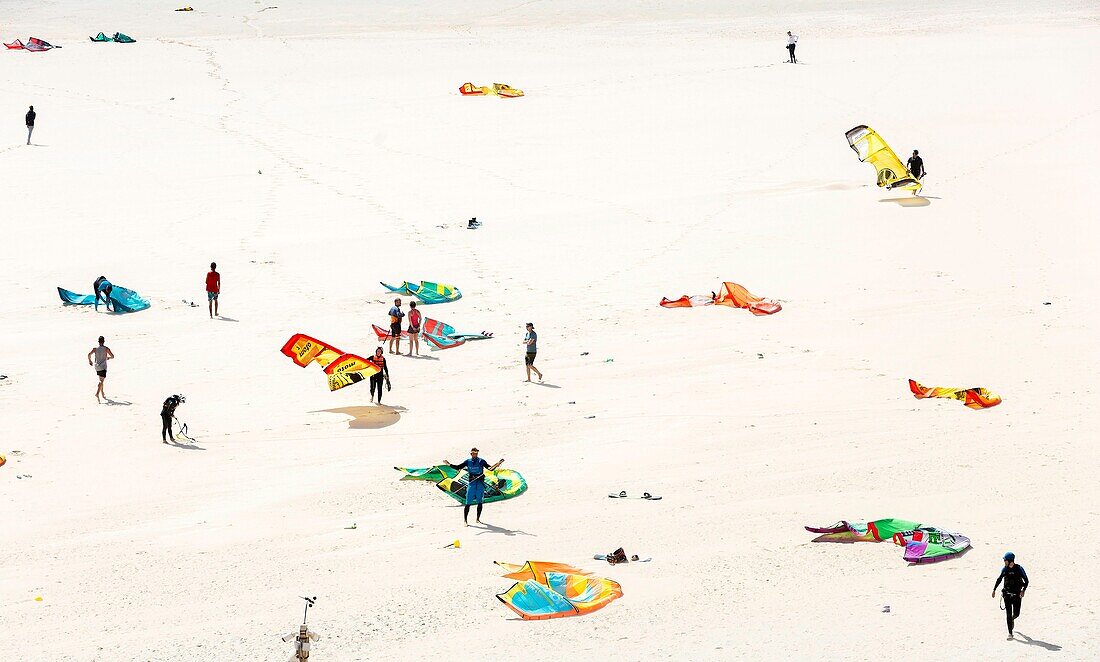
730	294
975	398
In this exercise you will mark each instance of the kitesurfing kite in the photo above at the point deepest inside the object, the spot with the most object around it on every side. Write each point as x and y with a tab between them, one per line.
890	171
730	294
340	369
427	292
498	89
555	590
34	45
500	485
439	335
118	38
975	398
922	543
124	300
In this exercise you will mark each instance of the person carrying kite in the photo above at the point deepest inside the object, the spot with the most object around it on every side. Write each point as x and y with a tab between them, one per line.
1015	580
475	490
916	165
383	373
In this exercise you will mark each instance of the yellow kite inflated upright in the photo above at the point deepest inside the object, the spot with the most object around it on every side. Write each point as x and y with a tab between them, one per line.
871	148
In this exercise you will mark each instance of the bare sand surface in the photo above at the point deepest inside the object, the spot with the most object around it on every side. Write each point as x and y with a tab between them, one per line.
316	149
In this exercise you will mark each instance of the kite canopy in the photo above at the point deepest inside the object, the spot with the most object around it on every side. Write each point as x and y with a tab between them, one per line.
340	369
555	590
497	89
500	485
101	37
38	45
185	9
923	543
975	398
15	46
124	300
427	292
730	294
123	39
871	148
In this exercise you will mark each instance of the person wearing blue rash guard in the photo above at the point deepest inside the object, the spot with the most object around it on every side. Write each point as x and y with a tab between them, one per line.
475	491
102	287
1015	580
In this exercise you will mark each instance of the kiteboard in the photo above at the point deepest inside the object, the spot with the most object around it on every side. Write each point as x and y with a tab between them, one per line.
633	559
645	495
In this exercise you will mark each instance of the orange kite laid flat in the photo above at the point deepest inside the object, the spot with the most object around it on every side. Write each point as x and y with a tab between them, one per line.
975	398
730	294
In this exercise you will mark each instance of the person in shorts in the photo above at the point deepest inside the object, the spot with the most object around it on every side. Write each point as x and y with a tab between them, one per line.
395	326
414	328
102	353
531	341
213	288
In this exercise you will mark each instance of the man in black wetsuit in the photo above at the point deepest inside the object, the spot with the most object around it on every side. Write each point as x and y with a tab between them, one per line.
915	165
167	413
1015	580
30	123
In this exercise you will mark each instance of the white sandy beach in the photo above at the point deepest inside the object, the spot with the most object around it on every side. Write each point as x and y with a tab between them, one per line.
661	148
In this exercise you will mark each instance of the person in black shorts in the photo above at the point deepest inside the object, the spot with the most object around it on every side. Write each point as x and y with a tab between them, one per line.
395	326
531	341
101	353
915	165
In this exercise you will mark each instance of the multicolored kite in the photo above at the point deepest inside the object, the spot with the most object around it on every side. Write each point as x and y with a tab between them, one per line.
341	369
498	89
427	292
500	485
975	398
871	148
922	543
555	590
439	335
730	294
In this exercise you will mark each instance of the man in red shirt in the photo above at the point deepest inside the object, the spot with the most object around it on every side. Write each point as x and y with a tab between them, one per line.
213	287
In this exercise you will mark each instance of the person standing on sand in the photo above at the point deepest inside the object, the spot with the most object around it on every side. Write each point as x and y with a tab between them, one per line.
1015	580
395	326
30	123
383	373
414	328
792	40
213	288
475	489
167	413
102	354
531	341
103	287
915	165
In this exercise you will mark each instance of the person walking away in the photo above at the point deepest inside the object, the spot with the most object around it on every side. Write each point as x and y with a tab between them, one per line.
531	341
383	373
1015	583
102	353
395	326
792	40
915	165
414	328
167	413
102	287
30	123
475	489
213	288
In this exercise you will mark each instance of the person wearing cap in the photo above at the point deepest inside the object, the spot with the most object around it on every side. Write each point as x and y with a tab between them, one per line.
475	489
531	341
1015	583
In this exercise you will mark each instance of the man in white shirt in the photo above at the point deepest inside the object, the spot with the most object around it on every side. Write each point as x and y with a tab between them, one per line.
792	39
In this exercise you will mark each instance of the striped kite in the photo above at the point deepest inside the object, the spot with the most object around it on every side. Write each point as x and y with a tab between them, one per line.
975	398
922	543
341	369
555	590
500	485
427	292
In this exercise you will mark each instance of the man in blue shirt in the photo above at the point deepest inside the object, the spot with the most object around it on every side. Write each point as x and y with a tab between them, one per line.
531	341
395	325
1015	580
475	490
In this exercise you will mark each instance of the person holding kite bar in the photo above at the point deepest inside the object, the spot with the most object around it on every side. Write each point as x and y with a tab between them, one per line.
475	491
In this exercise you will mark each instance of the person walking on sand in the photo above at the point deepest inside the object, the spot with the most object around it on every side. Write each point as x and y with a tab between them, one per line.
383	373
414	328
395	326
531	341
1015	580
102	354
792	40
213	288
30	123
915	165
102	287
475	489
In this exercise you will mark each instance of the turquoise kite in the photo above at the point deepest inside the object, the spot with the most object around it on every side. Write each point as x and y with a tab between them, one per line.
923	543
427	292
125	301
554	590
500	485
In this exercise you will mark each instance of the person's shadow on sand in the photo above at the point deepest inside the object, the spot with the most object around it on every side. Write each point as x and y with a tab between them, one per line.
116	403
176	443
1035	642
489	528
368	417
546	384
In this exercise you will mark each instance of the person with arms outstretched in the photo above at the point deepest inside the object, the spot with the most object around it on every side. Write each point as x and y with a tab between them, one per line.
213	289
395	326
102	354
30	123
1015	583
383	374
792	41
475	490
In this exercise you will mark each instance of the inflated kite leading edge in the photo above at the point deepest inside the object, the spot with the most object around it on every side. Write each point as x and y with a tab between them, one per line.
923	543
340	369
554	590
871	148
975	398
